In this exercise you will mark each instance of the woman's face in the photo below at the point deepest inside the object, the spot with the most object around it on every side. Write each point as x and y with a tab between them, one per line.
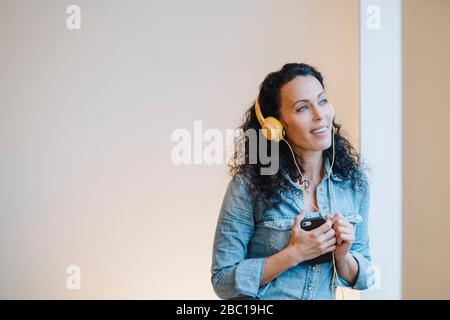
305	108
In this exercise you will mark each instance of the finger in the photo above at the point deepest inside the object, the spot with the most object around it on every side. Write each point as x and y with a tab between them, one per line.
302	214
344	229
323	228
329	217
330	248
338	238
344	221
336	217
347	237
330	234
330	242
341	236
341	223
298	220
339	216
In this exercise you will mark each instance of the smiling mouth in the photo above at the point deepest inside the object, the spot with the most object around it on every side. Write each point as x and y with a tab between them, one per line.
319	131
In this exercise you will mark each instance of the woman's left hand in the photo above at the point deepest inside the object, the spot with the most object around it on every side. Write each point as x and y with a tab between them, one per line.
345	235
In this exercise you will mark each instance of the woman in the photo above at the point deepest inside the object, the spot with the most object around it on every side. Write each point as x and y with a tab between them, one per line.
260	250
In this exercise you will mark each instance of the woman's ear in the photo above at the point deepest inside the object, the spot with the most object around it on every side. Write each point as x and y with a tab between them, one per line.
332	109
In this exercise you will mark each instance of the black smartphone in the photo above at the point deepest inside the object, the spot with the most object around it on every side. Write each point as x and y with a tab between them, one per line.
311	224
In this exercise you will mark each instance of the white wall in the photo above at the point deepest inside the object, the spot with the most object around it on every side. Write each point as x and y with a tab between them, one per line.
381	138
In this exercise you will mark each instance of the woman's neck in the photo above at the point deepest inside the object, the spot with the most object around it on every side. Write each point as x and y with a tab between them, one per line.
313	166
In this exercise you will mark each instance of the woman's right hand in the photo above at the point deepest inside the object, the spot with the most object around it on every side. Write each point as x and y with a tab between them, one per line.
305	245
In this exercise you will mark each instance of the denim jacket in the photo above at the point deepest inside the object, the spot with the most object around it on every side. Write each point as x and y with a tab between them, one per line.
244	238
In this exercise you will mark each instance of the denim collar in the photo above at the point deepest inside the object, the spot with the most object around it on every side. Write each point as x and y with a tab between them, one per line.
328	172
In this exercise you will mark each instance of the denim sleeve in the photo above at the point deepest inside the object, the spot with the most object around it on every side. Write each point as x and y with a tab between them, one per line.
234	276
360	247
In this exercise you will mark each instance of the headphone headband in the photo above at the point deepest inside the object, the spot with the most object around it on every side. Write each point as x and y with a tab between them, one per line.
258	112
272	128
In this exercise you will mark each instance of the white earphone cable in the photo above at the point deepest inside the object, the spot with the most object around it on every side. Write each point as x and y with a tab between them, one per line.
335	273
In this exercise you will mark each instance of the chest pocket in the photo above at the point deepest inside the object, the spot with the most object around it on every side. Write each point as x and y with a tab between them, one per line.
278	233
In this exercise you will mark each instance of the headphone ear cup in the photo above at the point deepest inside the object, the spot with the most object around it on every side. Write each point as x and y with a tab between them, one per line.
274	129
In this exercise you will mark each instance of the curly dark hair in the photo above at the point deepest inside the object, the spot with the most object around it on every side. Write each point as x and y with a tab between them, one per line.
266	190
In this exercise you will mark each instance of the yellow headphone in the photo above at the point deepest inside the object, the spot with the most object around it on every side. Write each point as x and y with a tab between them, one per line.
272	128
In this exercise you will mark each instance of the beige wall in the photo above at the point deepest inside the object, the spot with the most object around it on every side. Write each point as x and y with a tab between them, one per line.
86	122
426	52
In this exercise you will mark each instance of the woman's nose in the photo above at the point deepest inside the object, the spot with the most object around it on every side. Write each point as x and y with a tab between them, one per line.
318	114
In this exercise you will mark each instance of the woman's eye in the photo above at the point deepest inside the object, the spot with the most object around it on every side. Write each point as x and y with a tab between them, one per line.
324	101
302	108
